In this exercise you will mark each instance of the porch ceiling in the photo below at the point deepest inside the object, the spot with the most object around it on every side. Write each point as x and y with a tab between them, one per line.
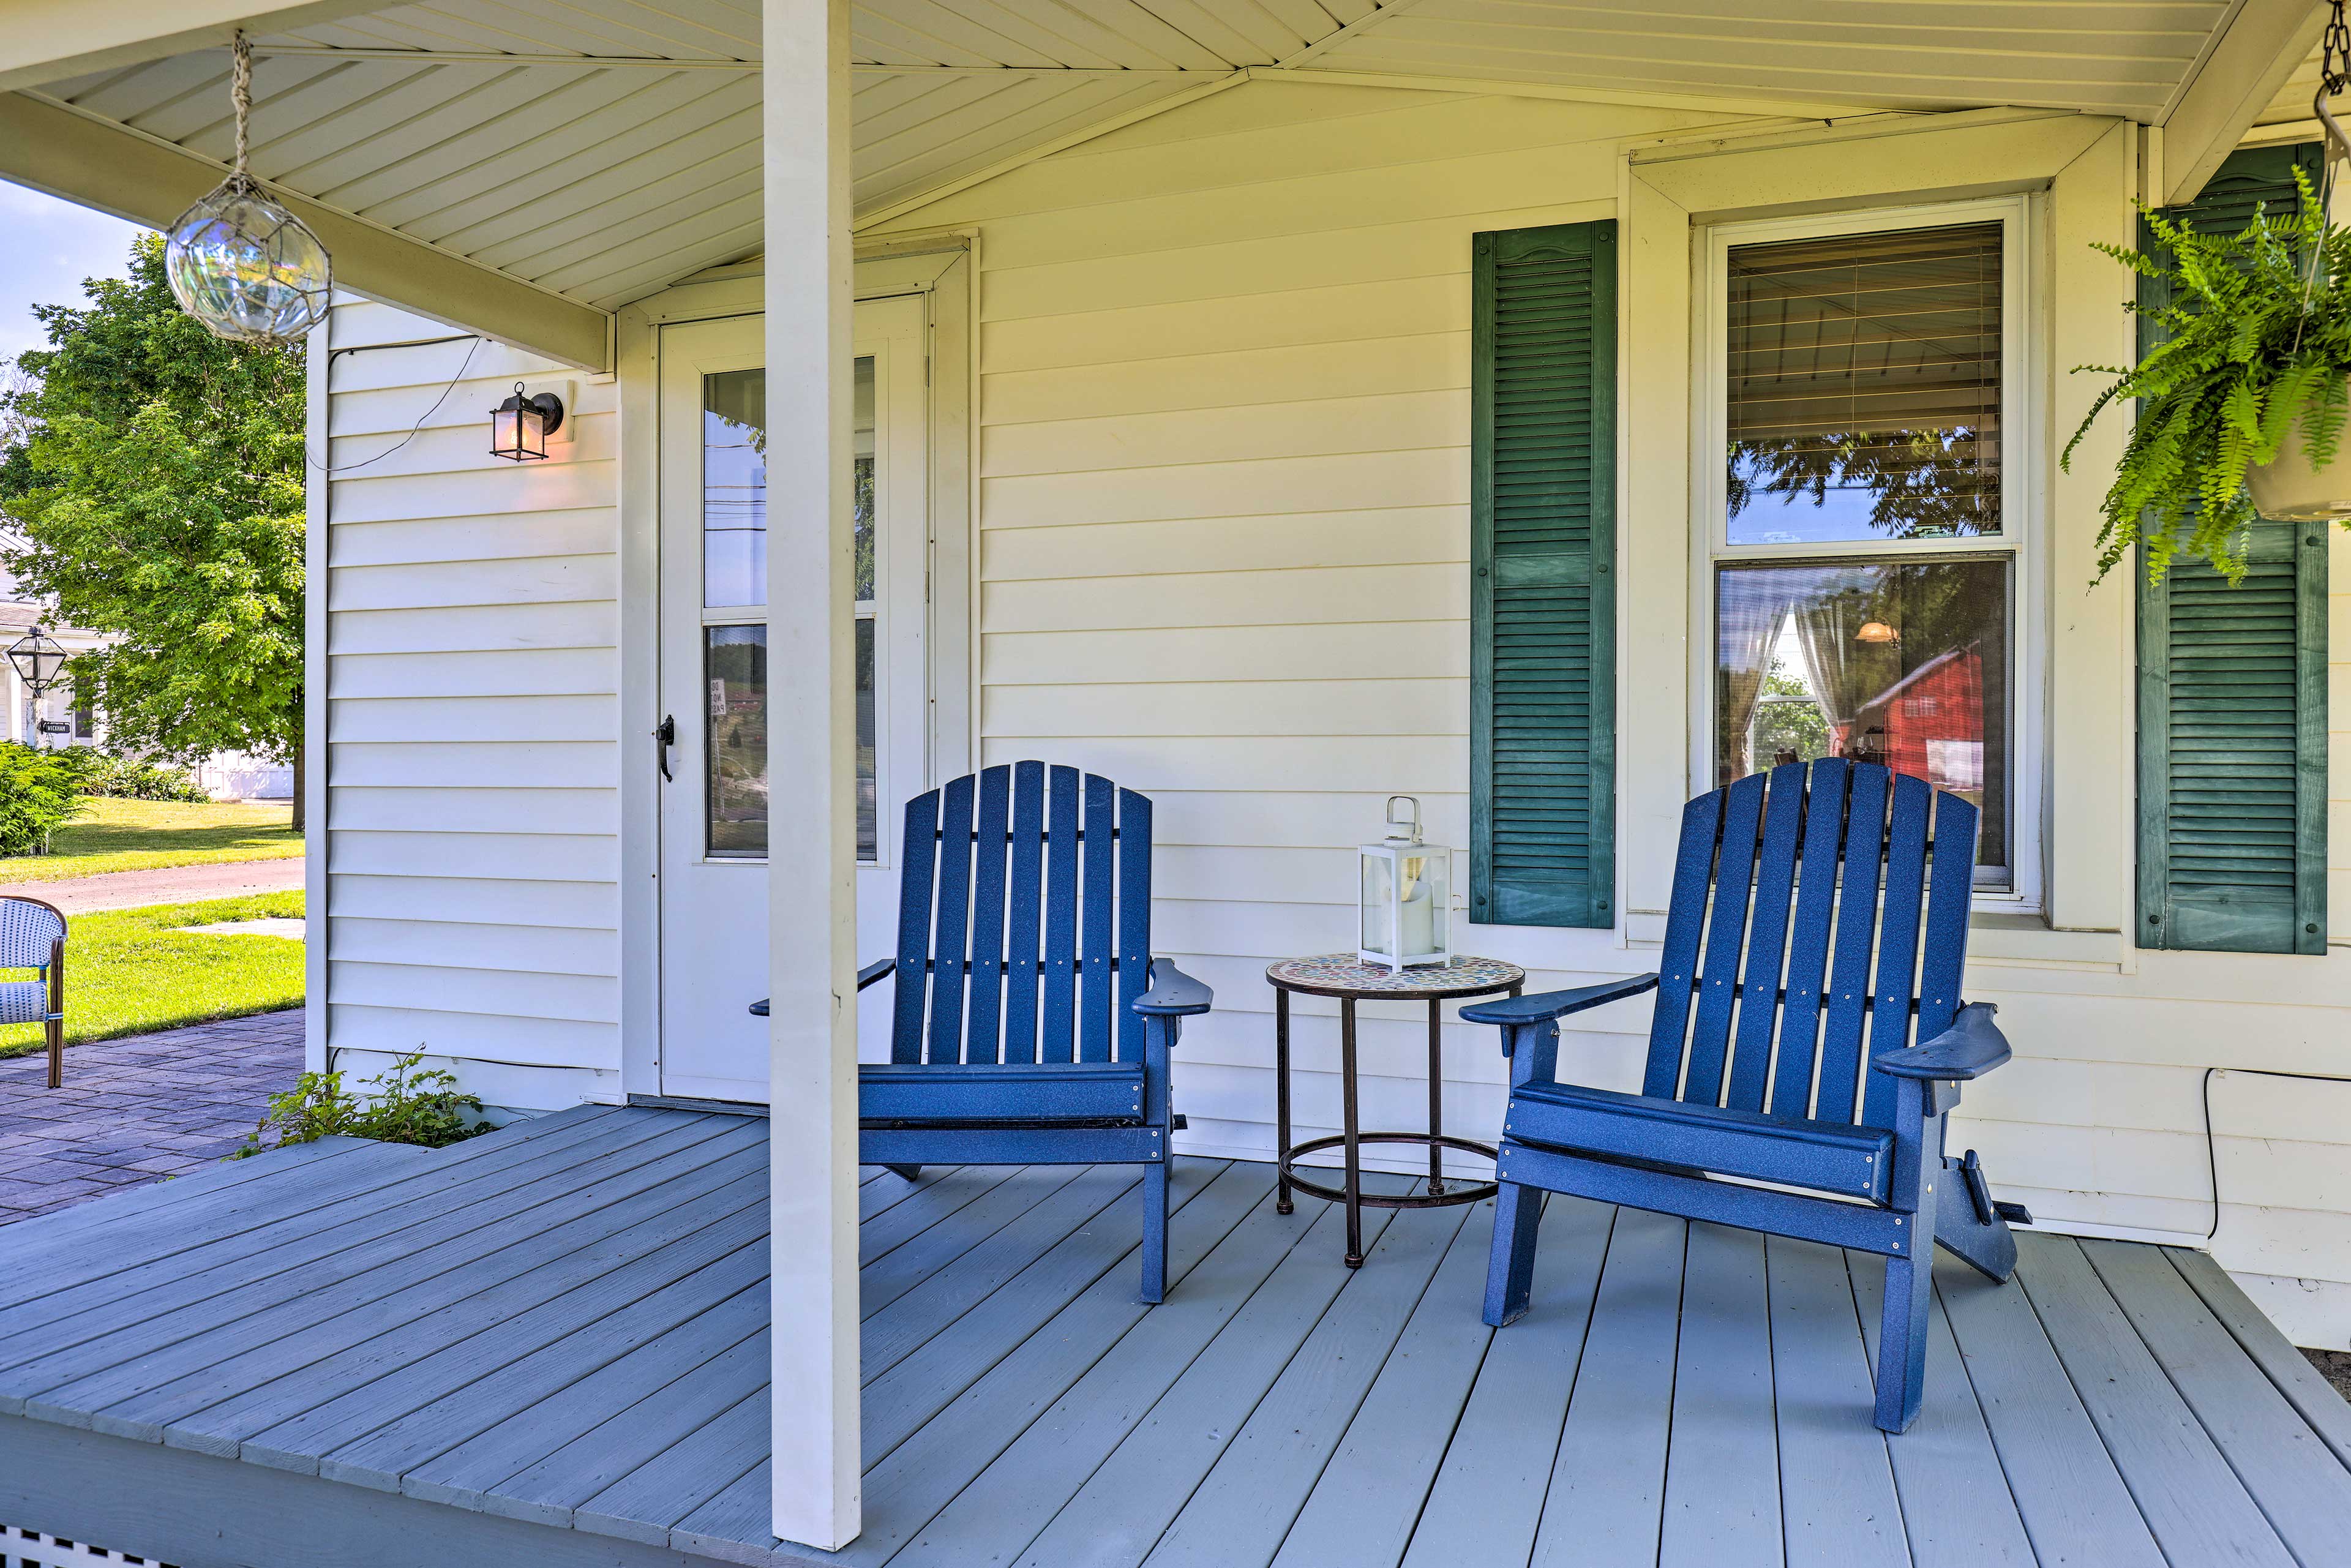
601	150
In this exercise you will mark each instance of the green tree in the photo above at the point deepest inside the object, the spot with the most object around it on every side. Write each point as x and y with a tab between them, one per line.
152	475
1786	727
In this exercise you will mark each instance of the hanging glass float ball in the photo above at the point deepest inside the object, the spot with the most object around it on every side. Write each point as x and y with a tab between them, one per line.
246	267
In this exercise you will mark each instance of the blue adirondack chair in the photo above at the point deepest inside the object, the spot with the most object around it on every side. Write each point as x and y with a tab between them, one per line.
1762	1072
1031	1024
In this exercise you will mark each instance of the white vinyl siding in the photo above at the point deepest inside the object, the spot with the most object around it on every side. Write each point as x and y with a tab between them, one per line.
472	801
1225	532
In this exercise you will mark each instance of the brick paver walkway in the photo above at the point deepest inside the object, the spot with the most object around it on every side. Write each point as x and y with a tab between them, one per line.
138	1109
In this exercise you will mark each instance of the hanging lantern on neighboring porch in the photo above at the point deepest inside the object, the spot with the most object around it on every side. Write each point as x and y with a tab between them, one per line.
238	262
520	425
38	659
1407	896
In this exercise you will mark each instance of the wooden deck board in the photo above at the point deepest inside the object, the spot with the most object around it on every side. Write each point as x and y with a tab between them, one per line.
168	1299
909	1479
1370	1495
1836	1484
101	1251
218	1404
2185	1489
1119	1515
572	1297
270	1323
1056	1206
1244	1509
1007	1505
566	1326
1488	1497
925	1207
899	1270
2289	1371
2066	1489
1955	1505
1607	1480
2301	1487
899	1400
1722	1476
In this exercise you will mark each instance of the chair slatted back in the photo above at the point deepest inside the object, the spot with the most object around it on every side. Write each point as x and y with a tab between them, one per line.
30	931
1024	919
1819	917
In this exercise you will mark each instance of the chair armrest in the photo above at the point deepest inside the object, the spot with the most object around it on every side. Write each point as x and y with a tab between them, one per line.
1173	993
1548	1004
865	977
1970	1048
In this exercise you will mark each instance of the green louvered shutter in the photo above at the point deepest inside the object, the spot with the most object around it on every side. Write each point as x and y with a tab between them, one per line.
1543	608
2232	697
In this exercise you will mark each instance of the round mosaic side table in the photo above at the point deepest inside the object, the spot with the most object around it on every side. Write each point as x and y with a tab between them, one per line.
1342	976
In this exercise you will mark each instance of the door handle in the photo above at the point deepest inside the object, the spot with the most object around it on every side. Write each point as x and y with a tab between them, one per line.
665	737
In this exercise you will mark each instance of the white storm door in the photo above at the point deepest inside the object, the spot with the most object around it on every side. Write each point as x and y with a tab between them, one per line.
714	690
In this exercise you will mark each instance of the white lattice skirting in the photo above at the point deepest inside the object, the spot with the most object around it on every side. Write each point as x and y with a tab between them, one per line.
31	1549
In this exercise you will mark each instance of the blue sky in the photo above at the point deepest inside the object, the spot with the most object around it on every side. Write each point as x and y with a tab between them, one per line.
46	247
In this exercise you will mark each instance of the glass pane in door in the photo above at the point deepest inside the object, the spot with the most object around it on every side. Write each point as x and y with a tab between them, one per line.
862	573
735	799
735	567
735	488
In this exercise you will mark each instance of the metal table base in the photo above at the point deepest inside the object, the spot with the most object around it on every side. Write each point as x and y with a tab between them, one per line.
1438	1192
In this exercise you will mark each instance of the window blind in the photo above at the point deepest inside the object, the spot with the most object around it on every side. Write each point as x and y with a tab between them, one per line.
1870	363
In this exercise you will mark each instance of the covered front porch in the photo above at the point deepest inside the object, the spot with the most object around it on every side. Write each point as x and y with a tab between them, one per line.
1188	294
551	1346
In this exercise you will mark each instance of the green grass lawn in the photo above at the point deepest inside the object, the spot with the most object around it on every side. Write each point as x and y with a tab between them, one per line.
147	835
131	970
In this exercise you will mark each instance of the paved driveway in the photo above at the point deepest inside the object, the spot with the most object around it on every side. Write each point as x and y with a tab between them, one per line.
172	884
138	1108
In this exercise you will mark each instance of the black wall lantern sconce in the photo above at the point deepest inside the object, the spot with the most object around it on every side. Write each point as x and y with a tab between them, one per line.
520	425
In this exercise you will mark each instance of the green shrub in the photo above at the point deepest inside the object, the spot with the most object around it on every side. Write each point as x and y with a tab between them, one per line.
132	778
37	796
406	1106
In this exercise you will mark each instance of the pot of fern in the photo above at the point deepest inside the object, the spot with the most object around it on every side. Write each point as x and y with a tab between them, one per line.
2244	399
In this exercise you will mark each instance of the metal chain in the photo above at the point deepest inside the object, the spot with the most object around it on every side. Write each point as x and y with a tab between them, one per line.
2333	75
240	90
2334	54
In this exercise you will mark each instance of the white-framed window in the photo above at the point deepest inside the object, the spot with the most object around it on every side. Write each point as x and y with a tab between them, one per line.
1869	518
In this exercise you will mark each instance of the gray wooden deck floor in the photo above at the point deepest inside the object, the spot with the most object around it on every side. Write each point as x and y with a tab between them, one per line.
565	1324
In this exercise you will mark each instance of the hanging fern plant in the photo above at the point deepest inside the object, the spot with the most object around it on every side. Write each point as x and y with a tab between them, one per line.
2255	347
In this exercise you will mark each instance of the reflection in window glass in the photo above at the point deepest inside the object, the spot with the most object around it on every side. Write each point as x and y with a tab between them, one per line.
735	670
861	576
860	446
1903	662
1864	383
735	488
868	819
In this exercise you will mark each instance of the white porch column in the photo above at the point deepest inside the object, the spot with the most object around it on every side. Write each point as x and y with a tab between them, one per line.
812	1039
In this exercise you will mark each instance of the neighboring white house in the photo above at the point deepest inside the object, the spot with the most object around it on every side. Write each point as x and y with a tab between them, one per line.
229	776
23	714
1160	369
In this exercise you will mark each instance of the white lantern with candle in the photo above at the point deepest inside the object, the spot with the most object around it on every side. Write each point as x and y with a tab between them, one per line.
1408	894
